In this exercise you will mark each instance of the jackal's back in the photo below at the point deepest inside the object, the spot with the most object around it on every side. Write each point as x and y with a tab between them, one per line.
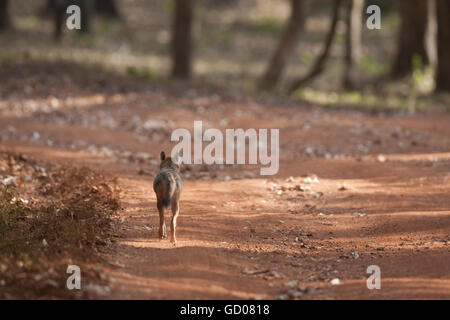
167	186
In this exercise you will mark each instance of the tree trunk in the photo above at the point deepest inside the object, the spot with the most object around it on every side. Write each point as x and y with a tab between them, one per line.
58	20
431	34
443	70
5	22
353	46
86	7
181	39
320	62
58	11
286	45
411	36
59	8
107	8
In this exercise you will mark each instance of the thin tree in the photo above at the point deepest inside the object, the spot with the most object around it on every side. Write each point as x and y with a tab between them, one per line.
353	46
411	36
285	46
431	34
443	70
181	39
5	21
319	64
87	8
58	9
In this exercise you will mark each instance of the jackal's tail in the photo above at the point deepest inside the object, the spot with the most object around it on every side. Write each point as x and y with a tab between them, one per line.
169	190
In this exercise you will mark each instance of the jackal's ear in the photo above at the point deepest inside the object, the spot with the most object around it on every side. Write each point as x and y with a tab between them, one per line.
176	158
162	155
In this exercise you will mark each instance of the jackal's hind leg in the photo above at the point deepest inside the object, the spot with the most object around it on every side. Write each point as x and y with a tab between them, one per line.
162	223
173	225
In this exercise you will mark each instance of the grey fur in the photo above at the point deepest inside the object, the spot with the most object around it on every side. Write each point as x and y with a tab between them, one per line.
168	186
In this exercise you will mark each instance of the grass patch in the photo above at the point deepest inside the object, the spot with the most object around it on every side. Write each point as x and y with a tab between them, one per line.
83	39
143	73
268	26
358	99
372	67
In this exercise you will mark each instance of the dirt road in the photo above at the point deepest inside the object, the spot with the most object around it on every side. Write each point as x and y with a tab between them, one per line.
353	190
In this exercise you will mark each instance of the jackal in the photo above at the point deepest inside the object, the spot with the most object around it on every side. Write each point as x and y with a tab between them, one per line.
167	186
